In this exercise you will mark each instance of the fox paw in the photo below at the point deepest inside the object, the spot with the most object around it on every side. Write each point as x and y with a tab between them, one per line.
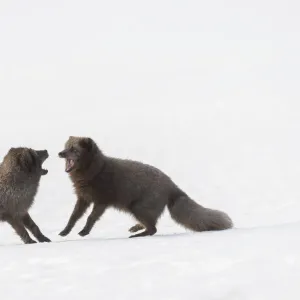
83	232
64	233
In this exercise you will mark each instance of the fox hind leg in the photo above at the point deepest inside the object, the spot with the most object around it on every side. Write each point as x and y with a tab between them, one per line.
136	227
146	217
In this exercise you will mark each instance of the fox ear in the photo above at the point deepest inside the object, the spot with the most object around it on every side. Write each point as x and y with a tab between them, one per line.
86	143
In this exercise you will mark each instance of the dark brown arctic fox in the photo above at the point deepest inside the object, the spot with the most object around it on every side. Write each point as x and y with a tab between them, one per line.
131	186
20	174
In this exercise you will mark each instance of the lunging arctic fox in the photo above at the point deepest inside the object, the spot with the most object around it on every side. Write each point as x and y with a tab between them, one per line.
131	186
20	174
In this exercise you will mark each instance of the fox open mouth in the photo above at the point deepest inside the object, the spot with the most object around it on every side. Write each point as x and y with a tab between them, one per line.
44	171
69	165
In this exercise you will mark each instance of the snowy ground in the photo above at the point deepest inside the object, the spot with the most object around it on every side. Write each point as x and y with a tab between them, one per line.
241	264
208	92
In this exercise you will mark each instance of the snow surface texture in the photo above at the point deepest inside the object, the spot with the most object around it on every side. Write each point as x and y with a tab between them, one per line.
208	91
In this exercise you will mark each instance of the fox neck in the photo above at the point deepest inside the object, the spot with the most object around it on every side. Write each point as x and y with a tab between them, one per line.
91	169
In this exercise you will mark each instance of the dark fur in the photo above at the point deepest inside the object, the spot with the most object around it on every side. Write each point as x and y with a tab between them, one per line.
20	174
131	186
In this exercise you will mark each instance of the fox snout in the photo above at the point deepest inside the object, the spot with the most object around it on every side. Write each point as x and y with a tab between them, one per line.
62	154
43	153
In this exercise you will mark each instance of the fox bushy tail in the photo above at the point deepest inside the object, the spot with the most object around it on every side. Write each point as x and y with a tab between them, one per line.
193	216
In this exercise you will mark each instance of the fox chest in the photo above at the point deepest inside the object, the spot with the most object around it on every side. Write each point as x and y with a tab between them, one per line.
26	198
18	200
96	193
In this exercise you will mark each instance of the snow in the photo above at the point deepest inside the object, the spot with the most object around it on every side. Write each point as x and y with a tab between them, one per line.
239	264
208	92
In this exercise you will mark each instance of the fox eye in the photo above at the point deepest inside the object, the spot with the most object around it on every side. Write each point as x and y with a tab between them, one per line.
74	150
